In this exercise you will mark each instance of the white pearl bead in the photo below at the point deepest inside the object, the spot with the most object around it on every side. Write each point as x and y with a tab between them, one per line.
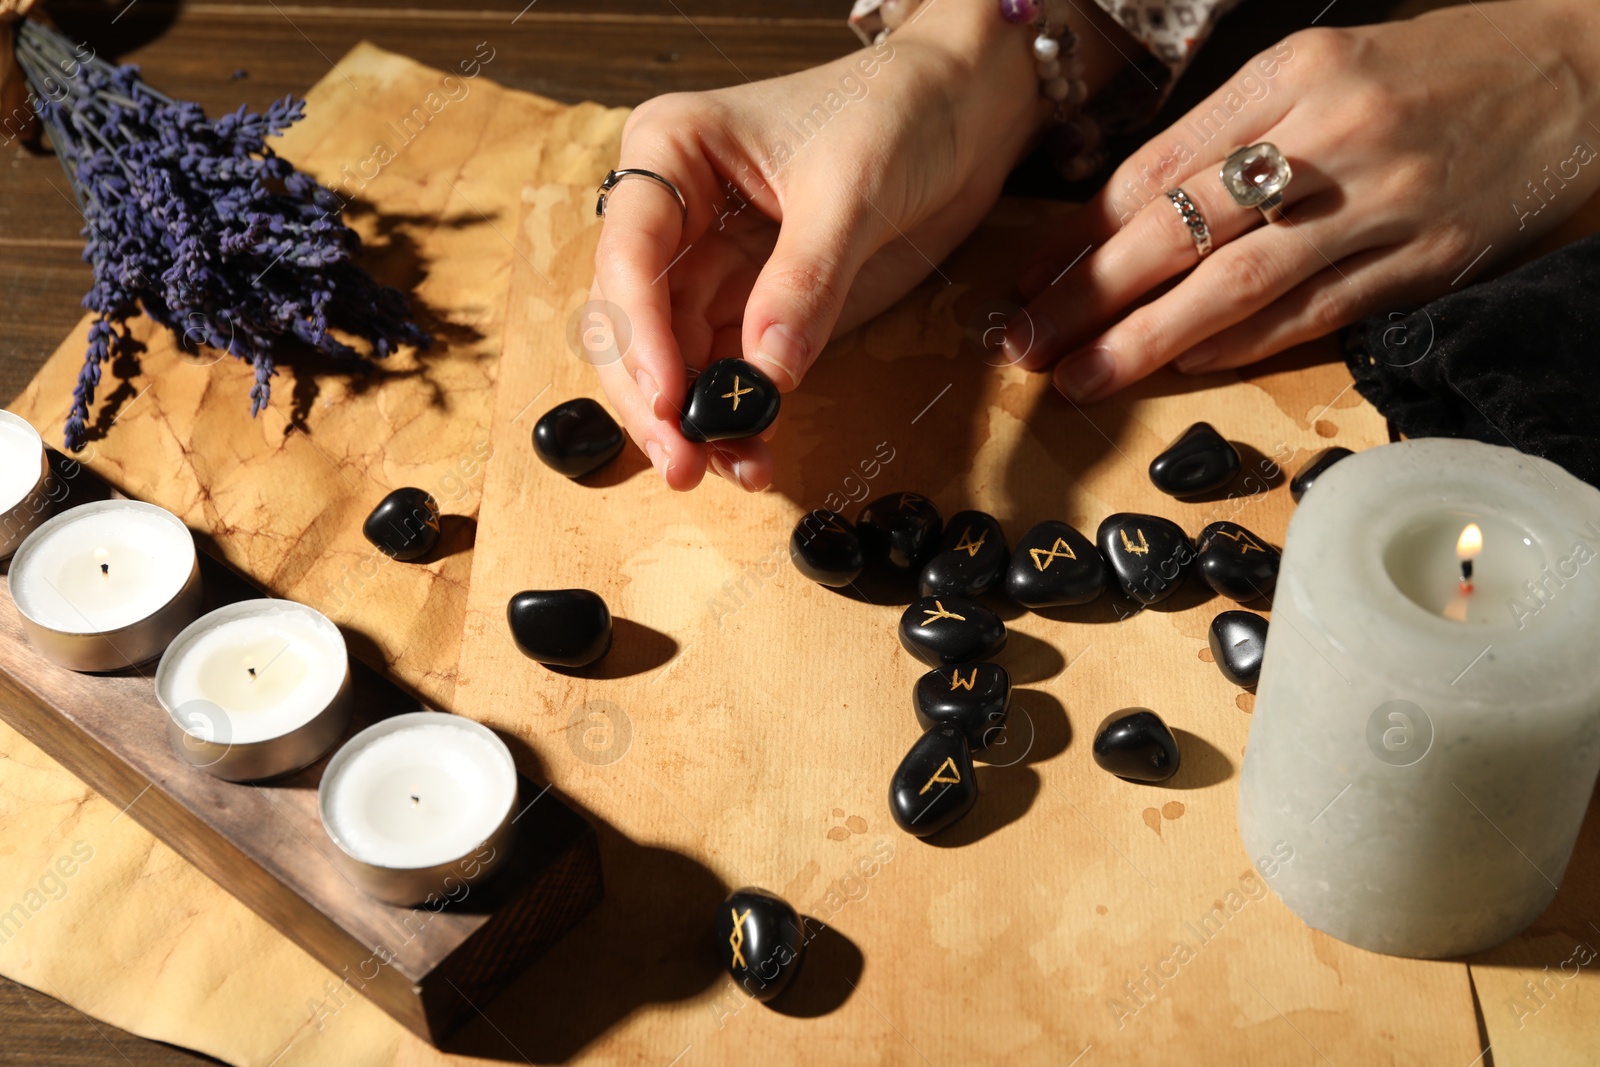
1048	70
1045	48
1057	89
1078	91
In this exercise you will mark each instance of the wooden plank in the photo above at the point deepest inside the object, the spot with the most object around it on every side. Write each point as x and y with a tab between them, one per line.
265	844
763	746
44	1032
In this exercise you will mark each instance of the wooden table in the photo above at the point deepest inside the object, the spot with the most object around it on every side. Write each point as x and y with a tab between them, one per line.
611	51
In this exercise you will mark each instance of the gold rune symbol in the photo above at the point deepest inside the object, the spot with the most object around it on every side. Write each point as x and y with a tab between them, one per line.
968	545
954	779
736	939
1243	540
957	683
1141	549
904	497
737	392
1043	559
940	614
833	524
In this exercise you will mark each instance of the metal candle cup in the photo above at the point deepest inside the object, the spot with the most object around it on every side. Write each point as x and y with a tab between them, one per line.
420	806
154	593
22	504
255	690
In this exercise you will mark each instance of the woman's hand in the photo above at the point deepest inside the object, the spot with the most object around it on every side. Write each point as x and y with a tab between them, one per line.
1422	151
814	201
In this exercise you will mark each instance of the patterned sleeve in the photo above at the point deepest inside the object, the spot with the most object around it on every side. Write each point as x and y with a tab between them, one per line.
1172	30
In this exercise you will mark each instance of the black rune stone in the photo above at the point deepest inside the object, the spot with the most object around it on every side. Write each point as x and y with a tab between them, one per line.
933	786
730	399
1134	743
760	940
1236	563
952	629
1301	483
560	627
973	697
1238	640
1150	556
971	559
825	549
1200	461
577	437
901	529
404	525
1055	565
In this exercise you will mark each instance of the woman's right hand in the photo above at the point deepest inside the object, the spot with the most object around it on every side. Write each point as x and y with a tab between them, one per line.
815	200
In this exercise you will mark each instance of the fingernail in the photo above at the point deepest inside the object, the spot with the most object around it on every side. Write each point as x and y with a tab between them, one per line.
741	474
1035	278
719	464
1082	378
781	353
658	457
1198	358
649	390
1029	337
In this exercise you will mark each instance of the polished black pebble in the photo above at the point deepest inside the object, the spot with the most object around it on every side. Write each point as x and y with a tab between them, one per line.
1134	743
404	525
1301	483
1055	565
971	559
1238	640
560	627
1200	461
1236	563
760	940
951	629
901	529
1149	555
731	399
933	786
577	437
825	548
971	696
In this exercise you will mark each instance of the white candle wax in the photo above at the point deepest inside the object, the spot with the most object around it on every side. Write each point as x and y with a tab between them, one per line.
418	791
102	566
268	666
22	472
1428	751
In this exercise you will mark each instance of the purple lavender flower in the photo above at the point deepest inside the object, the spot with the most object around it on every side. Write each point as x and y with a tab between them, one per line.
199	223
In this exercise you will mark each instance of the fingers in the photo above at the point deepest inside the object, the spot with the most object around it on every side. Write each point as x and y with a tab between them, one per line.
798	295
1155	247
1234	282
1329	300
1237	113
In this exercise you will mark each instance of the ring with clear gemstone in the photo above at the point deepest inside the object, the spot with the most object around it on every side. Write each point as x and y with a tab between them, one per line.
1256	176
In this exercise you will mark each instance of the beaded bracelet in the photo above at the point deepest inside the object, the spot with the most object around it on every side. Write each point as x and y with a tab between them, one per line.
1073	143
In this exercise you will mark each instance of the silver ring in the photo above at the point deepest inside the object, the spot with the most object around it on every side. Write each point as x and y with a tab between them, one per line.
1256	176
1192	219
616	176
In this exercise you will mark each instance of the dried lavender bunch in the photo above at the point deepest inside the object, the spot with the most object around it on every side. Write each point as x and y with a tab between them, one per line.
201	224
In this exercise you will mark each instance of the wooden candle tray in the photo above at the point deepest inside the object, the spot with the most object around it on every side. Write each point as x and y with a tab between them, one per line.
265	844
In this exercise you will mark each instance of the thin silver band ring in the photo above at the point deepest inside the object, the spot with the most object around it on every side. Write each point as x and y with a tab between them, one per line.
616	176
1192	219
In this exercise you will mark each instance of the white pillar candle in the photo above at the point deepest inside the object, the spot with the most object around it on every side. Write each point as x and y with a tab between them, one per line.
106	585
1429	750
255	689
23	468
418	799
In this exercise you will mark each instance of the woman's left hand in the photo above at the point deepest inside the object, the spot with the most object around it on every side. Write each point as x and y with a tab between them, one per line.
1422	151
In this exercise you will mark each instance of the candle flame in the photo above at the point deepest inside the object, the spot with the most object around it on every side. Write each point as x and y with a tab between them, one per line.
1470	543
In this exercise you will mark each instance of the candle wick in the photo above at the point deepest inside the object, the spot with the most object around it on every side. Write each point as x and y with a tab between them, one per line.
415	800
1466	572
105	568
252	671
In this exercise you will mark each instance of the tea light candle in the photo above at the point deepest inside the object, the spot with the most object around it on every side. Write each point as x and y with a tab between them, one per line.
106	585
417	800
255	689
23	468
1426	732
